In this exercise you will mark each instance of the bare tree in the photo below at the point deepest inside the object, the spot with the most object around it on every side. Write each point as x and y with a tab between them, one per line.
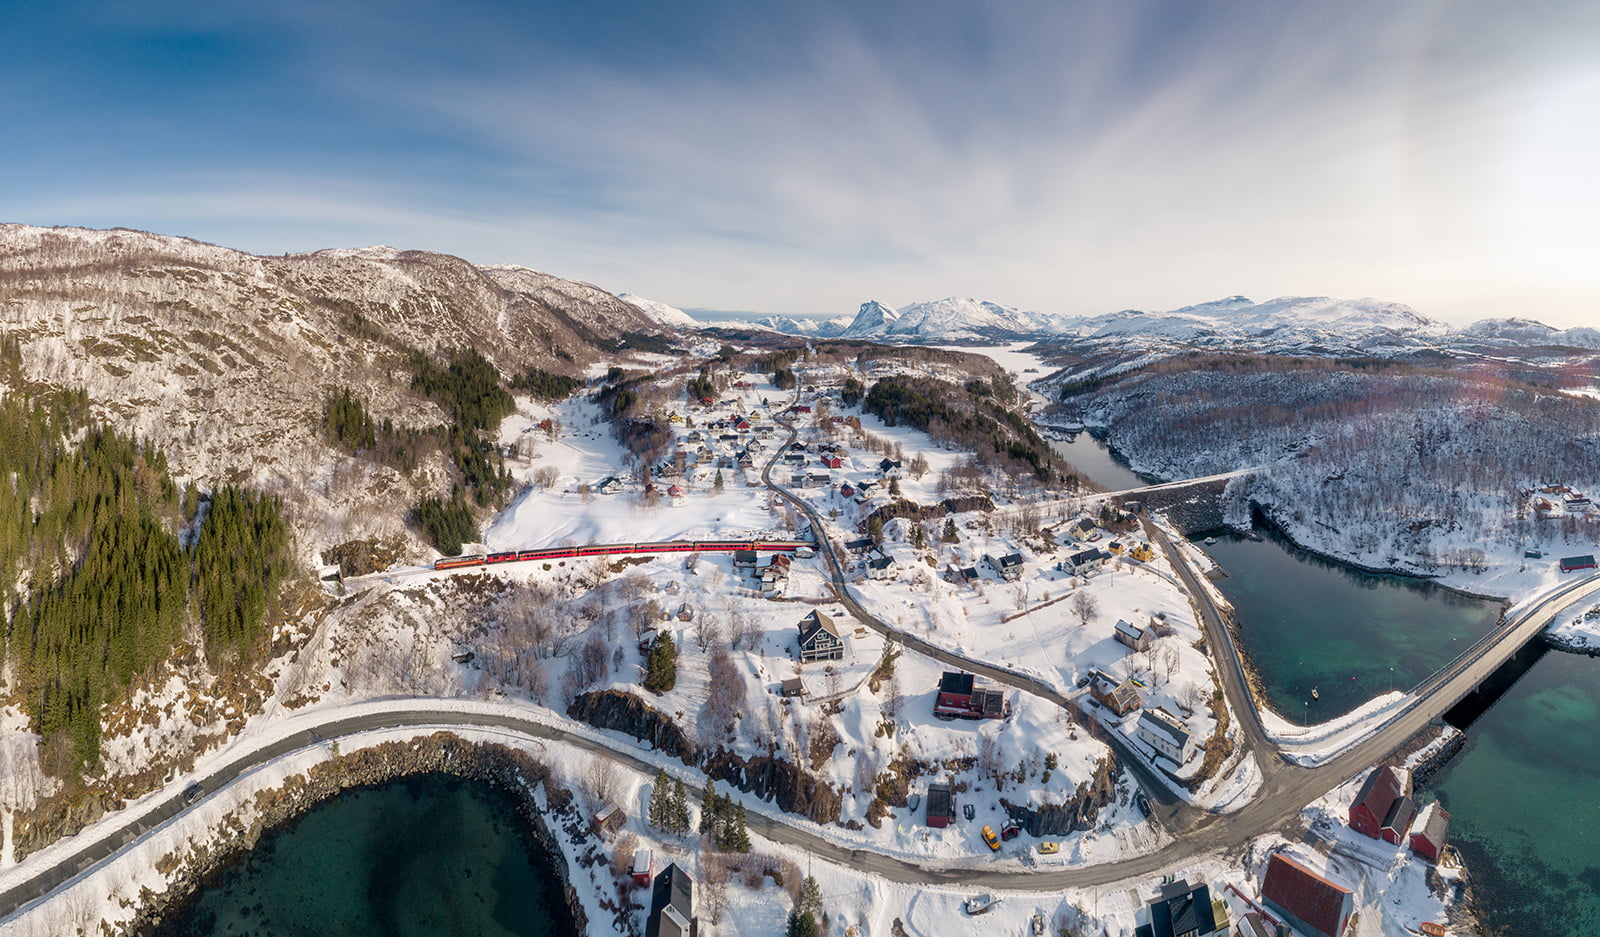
727	699
707	631
1084	607
599	783
546	476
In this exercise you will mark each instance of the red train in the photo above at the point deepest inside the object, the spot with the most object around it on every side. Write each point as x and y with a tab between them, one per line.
619	549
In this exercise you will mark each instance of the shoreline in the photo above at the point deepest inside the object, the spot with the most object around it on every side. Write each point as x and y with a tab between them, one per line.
514	772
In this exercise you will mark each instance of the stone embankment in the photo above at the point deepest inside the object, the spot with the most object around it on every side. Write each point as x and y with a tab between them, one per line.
1077	813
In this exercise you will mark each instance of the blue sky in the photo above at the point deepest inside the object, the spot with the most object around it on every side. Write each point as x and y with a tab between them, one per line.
802	158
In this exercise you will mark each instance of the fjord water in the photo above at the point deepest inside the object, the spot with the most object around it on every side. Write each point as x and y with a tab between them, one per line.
1307	623
1096	462
424	856
1524	801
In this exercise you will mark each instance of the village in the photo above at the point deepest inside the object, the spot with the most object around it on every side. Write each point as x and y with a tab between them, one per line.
930	762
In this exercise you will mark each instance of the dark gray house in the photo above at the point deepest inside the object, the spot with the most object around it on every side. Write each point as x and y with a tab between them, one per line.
672	905
819	638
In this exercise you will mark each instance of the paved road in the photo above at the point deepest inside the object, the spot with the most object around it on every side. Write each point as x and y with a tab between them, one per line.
1285	790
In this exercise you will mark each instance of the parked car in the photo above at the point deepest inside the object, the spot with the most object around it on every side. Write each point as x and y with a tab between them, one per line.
913	802
969	811
1142	802
1049	849
990	838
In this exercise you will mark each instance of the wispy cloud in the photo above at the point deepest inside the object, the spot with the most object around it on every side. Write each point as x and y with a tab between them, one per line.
1072	158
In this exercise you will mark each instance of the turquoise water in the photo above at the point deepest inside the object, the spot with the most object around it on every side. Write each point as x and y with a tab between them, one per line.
427	856
1306	623
1524	802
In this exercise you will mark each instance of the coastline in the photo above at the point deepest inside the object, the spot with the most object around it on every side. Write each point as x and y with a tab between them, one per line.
514	772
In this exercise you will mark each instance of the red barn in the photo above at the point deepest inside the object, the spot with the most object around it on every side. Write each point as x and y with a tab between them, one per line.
1428	836
1383	809
1572	563
832	461
1311	903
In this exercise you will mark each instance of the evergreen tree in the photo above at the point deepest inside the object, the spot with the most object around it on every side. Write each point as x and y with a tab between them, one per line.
661	806
708	808
738	833
661	668
717	484
680	807
950	535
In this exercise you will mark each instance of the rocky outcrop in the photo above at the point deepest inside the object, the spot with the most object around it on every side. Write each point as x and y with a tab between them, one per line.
1077	813
630	715
514	771
927	512
781	782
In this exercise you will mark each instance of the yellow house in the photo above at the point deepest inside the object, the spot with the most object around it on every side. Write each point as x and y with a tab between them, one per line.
1117	547
1143	552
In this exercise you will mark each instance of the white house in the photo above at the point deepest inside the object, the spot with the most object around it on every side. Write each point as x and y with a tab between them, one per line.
1166	735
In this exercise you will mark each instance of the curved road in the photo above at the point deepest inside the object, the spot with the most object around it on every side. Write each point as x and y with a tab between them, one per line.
1285	791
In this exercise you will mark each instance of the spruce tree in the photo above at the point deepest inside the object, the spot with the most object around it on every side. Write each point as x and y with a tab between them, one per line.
739	834
708	808
680	807
661	807
950	535
661	669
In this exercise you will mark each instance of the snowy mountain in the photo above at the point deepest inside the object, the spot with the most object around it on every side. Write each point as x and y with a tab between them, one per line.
224	360
661	313
1528	333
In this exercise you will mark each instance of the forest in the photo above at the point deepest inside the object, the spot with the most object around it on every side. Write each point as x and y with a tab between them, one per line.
1408	464
90	540
969	417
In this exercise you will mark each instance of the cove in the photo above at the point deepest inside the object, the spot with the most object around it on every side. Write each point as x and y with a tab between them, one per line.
1524	802
1304	623
423	855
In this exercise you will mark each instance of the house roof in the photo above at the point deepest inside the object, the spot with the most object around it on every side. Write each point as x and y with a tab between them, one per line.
671	903
953	681
1400	815
1157	721
887	464
1433	824
1382	788
1129	629
1086	556
880	562
856	546
1182	909
814	624
1303	893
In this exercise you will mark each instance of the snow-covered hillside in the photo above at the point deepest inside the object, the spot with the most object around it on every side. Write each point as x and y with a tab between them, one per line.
661	313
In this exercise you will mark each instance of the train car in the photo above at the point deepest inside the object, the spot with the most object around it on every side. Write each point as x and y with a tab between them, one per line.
555	553
456	562
724	545
509	556
784	546
606	549
665	546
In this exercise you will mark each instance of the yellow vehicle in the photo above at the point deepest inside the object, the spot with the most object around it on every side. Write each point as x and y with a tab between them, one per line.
990	838
1049	849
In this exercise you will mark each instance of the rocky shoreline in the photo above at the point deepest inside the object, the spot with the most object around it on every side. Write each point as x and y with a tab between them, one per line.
512	771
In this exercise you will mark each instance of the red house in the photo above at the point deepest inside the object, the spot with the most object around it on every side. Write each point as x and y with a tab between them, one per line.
1572	563
1428	836
962	696
832	461
1384	809
643	868
1311	903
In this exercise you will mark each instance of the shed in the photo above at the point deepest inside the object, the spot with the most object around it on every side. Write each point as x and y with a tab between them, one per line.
1311	903
744	559
1430	831
792	687
1132	635
608	819
643	868
1573	563
1374	805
